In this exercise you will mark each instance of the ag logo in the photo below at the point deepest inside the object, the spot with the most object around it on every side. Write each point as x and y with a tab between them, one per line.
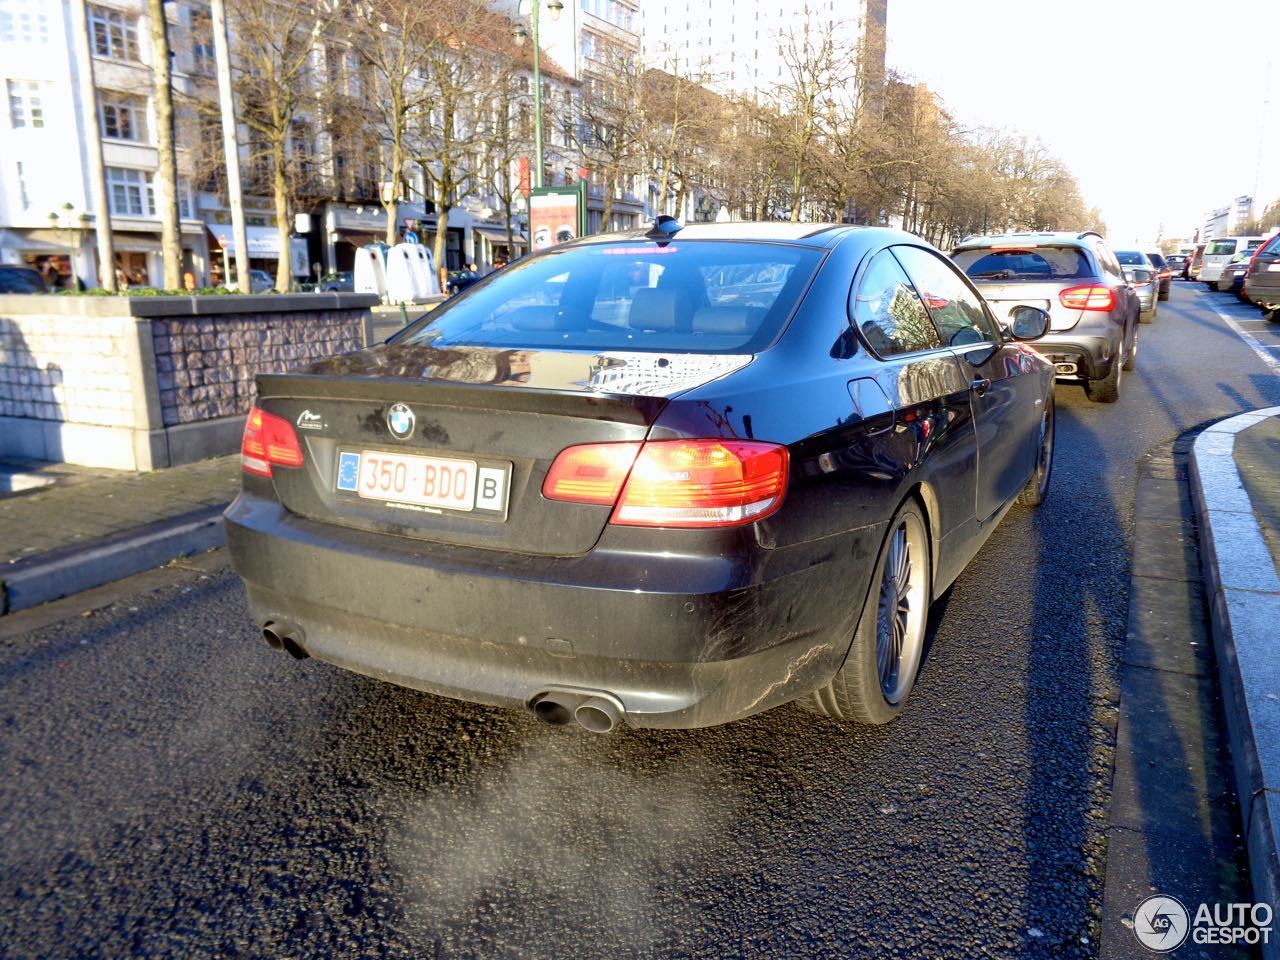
1161	923
400	421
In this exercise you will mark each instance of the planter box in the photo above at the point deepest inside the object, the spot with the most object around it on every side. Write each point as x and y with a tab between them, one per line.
138	383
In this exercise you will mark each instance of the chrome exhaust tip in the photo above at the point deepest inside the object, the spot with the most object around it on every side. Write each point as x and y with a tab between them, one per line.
285	636
598	715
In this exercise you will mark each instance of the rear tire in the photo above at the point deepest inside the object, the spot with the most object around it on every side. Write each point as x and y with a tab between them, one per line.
1147	316
880	671
1106	390
1131	355
1163	295
1037	489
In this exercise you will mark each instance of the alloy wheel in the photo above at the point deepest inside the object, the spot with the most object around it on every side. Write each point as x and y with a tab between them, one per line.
903	609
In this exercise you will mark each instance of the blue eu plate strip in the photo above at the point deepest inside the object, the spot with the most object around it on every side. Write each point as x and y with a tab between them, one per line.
348	471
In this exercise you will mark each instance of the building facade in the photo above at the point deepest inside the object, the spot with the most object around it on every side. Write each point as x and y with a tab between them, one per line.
47	218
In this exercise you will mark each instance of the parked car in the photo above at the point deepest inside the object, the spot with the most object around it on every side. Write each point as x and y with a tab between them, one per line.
601	485
260	281
1147	295
1164	273
340	282
1218	253
19	278
1178	264
1262	280
1195	262
459	280
1093	332
1231	279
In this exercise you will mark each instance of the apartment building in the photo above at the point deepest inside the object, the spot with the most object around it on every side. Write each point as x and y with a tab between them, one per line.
47	216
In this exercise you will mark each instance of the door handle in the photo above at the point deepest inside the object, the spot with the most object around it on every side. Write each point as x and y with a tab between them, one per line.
980	386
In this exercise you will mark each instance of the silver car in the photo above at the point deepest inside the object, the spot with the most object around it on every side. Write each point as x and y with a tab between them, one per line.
1093	309
1148	293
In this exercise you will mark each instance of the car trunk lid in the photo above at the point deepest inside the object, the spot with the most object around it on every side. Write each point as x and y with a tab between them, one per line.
484	423
1003	297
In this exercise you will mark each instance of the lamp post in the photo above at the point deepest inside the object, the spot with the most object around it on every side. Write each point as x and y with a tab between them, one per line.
75	236
554	8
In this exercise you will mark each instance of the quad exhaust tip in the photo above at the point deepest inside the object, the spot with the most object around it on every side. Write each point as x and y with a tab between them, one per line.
285	636
591	710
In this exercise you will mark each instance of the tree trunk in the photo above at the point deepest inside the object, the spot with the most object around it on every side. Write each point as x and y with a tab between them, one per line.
607	214
390	204
167	174
442	224
795	191
284	274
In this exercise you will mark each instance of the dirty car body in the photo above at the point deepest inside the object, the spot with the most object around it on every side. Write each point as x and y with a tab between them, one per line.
733	340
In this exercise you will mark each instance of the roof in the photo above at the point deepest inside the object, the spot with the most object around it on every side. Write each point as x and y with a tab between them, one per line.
1042	236
814	234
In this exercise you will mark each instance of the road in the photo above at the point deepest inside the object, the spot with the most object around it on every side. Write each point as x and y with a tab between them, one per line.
173	788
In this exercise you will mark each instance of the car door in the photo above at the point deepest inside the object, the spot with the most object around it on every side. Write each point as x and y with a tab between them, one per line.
1004	395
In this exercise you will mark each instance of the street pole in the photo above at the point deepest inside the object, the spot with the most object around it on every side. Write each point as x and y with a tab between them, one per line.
535	6
97	171
229	145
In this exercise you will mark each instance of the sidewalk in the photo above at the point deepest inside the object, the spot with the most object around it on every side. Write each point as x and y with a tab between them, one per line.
93	526
1236	485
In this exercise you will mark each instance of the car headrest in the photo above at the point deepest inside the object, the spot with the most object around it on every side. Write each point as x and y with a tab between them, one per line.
728	320
654	309
534	317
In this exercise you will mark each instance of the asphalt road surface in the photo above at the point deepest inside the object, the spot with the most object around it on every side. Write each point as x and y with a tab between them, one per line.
172	788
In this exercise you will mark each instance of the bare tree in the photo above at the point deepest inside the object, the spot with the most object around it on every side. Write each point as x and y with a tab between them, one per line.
277	86
167	173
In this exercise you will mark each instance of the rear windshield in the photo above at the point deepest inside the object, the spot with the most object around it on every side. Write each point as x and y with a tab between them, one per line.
1157	259
1220	248
1132	258
1032	263
692	297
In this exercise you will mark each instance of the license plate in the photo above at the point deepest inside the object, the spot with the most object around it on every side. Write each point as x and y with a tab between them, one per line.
1274	266
435	483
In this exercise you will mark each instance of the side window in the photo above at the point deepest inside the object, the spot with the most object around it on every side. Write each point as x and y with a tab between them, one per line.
1107	260
956	310
887	309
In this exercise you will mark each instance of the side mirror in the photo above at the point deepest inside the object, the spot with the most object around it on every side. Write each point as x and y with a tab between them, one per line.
1028	323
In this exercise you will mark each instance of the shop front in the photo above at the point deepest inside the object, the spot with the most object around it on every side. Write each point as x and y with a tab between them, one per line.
491	247
348	227
264	252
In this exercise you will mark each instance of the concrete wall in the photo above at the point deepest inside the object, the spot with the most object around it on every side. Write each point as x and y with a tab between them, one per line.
146	382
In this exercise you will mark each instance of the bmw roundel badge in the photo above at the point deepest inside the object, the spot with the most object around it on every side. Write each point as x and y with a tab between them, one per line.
400	421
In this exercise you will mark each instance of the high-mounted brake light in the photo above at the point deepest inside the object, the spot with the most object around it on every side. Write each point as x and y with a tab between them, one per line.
674	483
1087	297
268	440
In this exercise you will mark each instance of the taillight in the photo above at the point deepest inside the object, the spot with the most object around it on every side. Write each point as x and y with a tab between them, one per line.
1166	274
1254	258
268	440
674	483
591	473
1087	297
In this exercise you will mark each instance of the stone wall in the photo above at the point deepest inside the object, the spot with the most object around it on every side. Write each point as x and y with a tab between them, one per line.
145	382
205	366
59	371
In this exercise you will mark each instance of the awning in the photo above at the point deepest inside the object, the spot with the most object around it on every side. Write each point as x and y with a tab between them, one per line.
499	235
264	242
359	239
135	242
35	241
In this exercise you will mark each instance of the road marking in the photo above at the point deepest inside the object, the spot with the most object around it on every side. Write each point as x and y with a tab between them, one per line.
1258	347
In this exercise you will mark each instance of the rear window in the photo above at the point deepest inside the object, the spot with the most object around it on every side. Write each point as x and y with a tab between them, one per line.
1220	248
1032	263
692	297
1132	258
1157	259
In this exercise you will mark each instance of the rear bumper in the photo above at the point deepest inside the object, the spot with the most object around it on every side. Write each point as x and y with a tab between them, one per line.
1262	293
1093	354
679	641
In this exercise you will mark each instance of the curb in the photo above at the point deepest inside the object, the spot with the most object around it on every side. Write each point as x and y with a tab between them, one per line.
68	570
1244	604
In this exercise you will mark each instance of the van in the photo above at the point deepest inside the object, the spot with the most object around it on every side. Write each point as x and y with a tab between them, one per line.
1218	253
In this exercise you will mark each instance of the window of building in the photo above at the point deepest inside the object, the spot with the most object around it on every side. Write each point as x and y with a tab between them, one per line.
22	187
115	34
131	192
123	117
23	21
25	107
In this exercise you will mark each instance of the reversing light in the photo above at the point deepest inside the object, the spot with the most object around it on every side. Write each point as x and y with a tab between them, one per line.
268	440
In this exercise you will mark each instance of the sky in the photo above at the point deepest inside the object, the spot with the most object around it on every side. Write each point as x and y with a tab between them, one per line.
1156	107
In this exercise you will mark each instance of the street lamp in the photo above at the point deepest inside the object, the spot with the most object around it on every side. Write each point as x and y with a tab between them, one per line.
74	235
520	35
